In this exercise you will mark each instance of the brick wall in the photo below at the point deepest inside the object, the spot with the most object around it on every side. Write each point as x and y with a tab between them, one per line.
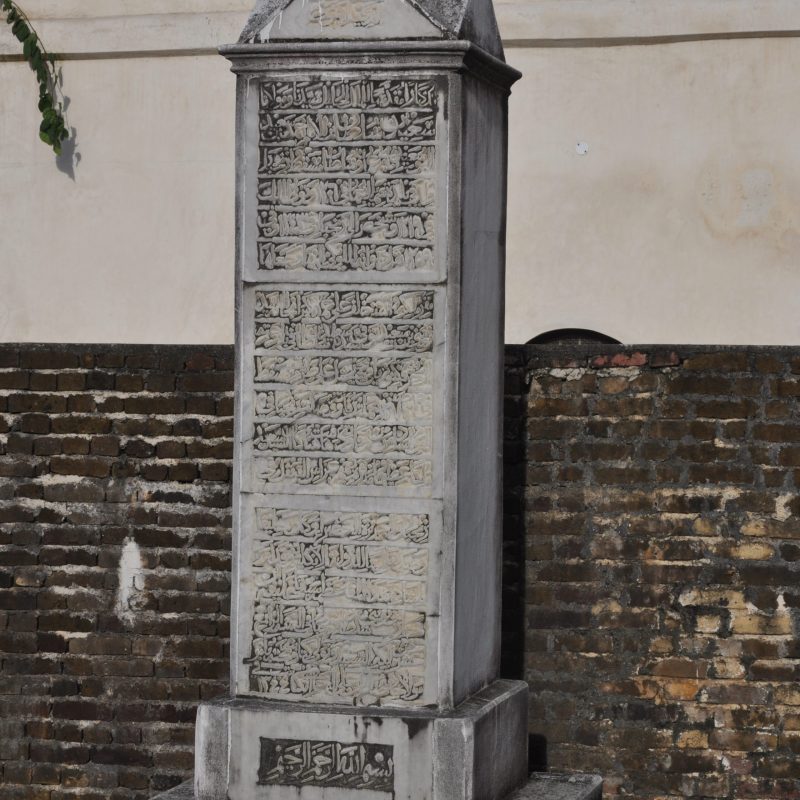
652	544
657	491
114	559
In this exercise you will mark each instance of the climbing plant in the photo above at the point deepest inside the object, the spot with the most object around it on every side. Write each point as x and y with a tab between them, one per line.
53	130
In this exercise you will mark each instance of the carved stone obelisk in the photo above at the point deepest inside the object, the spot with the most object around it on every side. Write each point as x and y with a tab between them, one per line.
371	182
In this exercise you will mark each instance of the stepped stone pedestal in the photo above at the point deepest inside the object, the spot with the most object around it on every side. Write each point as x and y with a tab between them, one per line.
371	183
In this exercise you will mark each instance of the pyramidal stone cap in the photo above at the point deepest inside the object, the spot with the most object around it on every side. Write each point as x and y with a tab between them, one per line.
353	20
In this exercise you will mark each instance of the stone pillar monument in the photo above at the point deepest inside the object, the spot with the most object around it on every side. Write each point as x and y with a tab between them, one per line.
371	185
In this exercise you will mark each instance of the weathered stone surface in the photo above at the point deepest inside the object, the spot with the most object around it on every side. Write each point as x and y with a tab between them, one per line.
375	20
476	751
540	786
367	520
184	791
549	786
367	329
371	207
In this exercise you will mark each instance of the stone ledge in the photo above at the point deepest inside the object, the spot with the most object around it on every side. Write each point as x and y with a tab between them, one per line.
105	29
541	786
555	786
183	792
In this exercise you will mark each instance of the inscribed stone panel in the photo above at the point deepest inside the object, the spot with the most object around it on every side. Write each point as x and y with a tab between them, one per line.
310	762
349	177
343	390
341	604
349	19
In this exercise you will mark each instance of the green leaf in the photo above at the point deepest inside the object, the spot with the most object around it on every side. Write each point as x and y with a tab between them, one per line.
50	127
53	128
20	30
29	56
29	46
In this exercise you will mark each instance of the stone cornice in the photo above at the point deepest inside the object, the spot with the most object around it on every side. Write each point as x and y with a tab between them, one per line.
110	28
454	55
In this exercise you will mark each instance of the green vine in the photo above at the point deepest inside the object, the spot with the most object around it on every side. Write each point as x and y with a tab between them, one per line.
53	130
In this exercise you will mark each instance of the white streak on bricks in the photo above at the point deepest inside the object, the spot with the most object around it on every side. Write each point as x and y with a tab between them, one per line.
782	510
131	581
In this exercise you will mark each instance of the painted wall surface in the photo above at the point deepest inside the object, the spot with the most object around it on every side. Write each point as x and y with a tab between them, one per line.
681	220
654	190
138	247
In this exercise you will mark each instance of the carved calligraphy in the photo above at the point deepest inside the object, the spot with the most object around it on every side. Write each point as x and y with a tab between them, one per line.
343	387
392	374
340	401
309	762
344	438
347	175
342	13
380	406
329	306
339	605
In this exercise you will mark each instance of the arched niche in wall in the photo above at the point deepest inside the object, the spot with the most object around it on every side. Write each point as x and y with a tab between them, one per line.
577	336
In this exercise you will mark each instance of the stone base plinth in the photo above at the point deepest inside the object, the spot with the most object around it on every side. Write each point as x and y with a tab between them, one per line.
251	749
545	786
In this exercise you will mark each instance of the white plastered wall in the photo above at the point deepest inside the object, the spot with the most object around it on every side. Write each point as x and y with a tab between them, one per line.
654	190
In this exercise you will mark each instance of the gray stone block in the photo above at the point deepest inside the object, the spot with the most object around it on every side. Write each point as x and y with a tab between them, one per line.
375	20
554	786
183	792
246	747
371	187
371	169
544	786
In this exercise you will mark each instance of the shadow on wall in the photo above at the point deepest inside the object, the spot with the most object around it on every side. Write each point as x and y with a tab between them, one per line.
512	654
516	459
572	336
69	157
